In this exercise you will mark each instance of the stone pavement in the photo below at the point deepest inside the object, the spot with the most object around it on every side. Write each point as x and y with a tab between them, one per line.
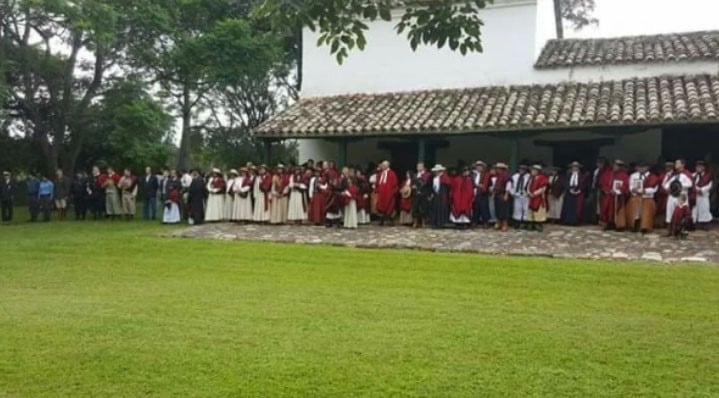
556	241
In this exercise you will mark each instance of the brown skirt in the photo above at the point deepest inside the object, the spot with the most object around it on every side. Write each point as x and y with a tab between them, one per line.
634	210
649	209
620	216
373	203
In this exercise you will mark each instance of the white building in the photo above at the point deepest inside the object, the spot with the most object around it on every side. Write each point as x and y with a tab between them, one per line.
526	96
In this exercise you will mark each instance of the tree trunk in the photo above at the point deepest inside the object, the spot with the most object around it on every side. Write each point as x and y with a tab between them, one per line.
558	19
183	159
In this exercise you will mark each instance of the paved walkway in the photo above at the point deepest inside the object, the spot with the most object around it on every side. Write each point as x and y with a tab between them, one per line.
555	241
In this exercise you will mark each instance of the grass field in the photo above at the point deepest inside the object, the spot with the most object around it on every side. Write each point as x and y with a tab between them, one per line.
111	309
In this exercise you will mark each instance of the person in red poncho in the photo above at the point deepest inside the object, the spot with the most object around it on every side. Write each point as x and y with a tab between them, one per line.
537	208
615	189
462	198
386	188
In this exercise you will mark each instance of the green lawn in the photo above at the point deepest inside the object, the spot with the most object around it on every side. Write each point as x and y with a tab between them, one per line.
111	309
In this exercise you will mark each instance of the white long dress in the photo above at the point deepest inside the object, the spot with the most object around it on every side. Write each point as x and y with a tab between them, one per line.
171	213
260	212
242	210
702	209
297	210
215	203
555	204
349	213
230	199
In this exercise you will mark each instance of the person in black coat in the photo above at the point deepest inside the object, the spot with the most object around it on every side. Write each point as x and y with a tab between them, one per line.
149	185
196	199
80	191
439	200
7	196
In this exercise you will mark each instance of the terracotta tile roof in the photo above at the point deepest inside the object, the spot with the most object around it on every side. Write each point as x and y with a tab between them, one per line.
690	46
642	101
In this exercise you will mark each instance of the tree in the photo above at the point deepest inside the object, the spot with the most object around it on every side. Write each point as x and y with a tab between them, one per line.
342	23
577	12
179	45
56	56
128	128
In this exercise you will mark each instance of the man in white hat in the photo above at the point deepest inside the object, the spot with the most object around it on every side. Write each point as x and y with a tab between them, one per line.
216	199
440	206
520	183
482	180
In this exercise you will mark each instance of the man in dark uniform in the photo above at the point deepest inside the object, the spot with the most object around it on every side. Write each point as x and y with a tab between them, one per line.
33	203
7	196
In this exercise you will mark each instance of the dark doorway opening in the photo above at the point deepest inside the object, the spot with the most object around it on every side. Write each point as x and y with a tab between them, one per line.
585	152
404	155
691	143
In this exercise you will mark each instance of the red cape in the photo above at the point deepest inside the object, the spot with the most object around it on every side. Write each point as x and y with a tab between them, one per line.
386	193
462	195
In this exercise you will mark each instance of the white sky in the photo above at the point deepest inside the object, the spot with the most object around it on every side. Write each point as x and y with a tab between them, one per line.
634	17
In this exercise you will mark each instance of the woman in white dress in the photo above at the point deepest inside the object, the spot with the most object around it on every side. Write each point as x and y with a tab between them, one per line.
216	199
242	210
171	209
349	212
261	187
297	208
230	196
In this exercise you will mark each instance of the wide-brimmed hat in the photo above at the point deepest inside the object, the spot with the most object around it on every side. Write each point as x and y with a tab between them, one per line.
480	163
501	165
216	170
575	164
619	162
6	173
234	171
280	166
243	169
537	167
438	167
262	166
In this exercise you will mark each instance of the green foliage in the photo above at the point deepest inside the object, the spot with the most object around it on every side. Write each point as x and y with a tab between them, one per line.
128	129
342	23
113	309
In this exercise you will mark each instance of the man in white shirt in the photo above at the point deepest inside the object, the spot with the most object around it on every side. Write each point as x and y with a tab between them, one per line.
677	183
520	181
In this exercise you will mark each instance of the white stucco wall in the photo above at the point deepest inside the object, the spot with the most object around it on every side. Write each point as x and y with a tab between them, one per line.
514	33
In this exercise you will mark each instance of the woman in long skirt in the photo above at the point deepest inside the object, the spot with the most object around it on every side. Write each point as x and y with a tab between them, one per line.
317	198
261	188
215	210
363	201
113	208
349	212
405	203
278	194
230	196
171	213
242	210
297	208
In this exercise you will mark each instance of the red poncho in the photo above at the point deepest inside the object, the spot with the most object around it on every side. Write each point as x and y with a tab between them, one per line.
538	182
386	192
462	195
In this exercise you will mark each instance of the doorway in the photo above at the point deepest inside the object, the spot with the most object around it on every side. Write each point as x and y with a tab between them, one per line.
585	152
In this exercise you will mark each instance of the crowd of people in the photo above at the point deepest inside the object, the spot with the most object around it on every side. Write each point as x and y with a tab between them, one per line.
638	197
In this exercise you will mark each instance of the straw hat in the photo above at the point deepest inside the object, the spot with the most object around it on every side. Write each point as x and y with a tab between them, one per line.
216	170
234	171
501	165
575	164
537	167
438	167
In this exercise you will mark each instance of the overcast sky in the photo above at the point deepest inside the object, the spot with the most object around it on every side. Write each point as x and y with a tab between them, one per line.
633	17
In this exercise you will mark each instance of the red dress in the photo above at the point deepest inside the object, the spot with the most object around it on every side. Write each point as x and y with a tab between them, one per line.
386	192
681	218
462	196
317	203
